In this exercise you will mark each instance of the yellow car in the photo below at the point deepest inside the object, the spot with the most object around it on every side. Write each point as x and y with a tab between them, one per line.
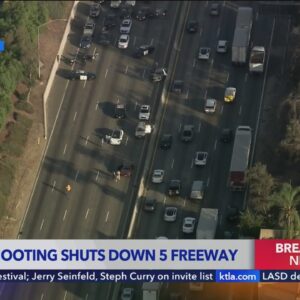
229	94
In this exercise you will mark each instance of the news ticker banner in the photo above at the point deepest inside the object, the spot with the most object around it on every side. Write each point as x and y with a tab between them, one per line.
149	260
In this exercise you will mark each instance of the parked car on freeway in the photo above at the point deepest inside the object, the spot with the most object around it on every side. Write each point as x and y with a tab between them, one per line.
192	26
166	141
126	26
230	93
187	133
222	46
204	53
143	50
158	74
81	75
127	294
142	129
85	42
178	86
149	204
123	41
201	158
170	214
158	176
144	113
116	137
210	105
120	111
174	187
214	9
188	225
125	170
226	135
95	10
89	27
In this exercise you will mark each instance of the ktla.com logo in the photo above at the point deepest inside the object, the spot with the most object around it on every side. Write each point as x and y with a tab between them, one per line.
2	45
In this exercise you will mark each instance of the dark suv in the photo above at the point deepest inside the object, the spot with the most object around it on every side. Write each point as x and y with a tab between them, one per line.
120	111
226	135
166	141
143	50
174	187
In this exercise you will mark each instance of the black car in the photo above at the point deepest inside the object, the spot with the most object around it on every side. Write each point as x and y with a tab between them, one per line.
192	26
214	9
226	135
120	111
85	42
110	21
149	204
143	51
166	141
143	13
81	75
177	86
105	39
126	13
174	187
160	12
233	215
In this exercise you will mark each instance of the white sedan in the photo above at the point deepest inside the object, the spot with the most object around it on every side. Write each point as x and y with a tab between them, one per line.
144	113
188	225
201	158
158	176
116	137
123	41
210	105
204	53
126	26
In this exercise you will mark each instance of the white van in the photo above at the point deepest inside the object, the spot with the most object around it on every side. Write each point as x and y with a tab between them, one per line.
115	4
197	191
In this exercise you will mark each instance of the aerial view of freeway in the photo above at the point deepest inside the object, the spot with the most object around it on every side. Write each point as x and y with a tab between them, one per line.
148	120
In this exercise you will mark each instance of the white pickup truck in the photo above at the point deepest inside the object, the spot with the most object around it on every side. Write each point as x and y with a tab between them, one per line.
142	129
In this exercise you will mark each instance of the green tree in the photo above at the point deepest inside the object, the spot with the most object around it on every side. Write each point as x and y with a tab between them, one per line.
287	199
251	223
261	185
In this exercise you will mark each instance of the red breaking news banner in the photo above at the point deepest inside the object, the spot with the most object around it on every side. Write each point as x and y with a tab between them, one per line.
277	254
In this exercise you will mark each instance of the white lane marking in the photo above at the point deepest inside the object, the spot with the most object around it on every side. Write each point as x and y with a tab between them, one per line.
65	214
192	163
87	139
53	186
184	202
87	213
222	109
165	199
223	3
97	175
94	51
212	62
206	3
187	94
126	70
179	128
256	16
118	99
65	149
215	146
65	296
172	165
218	32
106	73
194	62
126	140
18	204
240	110
42	224
208	180
86	296
42	296
199	127
227	79
75	115
106	219
205	94
143	75
77	173
200	33
246	77
136	105
152	41
134	40
84	83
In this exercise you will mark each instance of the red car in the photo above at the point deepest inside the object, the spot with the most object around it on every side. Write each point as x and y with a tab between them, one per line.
125	170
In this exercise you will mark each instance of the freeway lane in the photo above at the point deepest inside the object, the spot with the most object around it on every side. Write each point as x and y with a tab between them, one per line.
97	207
